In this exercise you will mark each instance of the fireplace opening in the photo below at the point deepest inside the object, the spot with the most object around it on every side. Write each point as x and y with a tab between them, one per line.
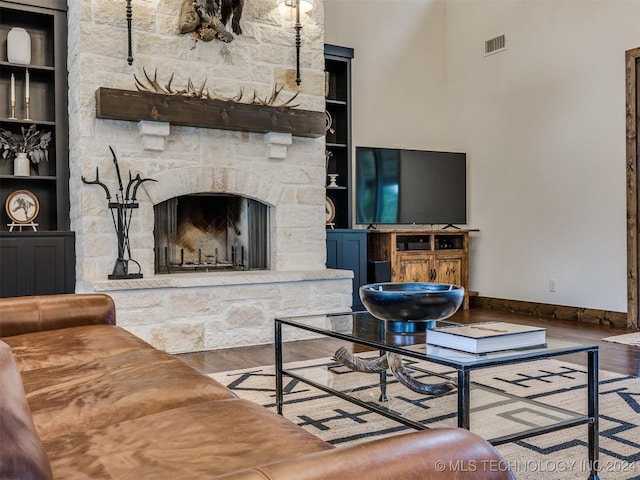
211	232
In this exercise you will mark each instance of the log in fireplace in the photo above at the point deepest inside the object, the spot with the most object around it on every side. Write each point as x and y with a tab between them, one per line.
211	232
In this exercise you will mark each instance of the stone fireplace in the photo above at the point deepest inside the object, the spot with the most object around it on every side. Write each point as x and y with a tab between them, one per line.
232	233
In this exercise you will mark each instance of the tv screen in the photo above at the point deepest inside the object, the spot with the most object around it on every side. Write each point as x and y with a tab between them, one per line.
398	186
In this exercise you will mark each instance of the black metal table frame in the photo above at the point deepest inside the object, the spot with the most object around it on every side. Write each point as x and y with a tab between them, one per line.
464	384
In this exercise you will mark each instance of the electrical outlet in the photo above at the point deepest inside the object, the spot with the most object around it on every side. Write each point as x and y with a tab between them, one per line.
553	285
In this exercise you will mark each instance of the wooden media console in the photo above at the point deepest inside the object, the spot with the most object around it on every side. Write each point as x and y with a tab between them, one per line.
439	256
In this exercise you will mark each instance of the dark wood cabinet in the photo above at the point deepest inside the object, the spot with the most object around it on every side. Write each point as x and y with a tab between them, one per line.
42	262
35	263
338	136
347	250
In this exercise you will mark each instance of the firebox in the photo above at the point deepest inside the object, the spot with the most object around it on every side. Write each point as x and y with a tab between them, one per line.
211	232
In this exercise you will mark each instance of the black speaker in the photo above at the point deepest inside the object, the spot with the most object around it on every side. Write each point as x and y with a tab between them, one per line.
379	271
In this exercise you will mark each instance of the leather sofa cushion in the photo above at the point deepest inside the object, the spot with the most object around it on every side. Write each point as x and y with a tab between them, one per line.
69	346
67	399
197	441
37	313
22	455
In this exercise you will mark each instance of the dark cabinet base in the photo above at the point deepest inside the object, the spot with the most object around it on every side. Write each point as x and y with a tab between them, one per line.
347	250
37	263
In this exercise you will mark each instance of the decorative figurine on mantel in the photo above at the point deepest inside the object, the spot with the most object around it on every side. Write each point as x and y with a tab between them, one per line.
121	214
208	18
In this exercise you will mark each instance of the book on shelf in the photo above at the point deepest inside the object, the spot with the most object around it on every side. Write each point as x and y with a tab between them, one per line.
486	337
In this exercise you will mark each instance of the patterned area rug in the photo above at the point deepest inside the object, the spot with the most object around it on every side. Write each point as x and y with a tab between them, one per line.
557	386
626	339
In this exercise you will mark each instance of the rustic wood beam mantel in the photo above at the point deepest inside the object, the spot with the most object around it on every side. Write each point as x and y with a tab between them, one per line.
115	104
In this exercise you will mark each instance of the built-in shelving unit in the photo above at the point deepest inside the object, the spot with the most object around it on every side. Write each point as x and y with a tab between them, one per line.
338	135
346	247
46	23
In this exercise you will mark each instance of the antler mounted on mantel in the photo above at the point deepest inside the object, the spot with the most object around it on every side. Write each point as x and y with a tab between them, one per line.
153	85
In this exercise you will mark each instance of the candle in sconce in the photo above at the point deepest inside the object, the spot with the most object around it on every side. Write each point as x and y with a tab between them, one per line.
13	88
26	89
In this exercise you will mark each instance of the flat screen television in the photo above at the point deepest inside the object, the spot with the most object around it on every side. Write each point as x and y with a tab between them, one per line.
399	186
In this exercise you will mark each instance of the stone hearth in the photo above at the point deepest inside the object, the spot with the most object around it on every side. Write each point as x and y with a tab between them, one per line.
283	171
193	312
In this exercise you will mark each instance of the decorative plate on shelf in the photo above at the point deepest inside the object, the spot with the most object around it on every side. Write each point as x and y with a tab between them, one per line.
330	210
22	206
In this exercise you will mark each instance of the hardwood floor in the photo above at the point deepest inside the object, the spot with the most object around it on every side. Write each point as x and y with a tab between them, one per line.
613	357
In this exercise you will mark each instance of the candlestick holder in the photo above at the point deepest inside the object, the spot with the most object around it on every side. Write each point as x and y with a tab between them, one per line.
13	110
27	100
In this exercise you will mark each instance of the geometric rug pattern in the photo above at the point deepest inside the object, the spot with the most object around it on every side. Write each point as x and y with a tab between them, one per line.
560	455
625	339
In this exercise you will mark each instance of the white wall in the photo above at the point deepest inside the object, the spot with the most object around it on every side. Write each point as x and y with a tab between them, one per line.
543	125
398	69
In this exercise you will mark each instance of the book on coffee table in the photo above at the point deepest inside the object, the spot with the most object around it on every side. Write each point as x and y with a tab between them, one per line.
486	337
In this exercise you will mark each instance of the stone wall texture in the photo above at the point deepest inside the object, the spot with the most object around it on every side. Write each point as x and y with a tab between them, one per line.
288	174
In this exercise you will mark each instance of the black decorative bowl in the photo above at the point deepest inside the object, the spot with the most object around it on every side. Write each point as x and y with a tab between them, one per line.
411	307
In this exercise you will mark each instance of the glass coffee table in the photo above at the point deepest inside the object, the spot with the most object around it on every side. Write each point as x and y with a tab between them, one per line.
468	404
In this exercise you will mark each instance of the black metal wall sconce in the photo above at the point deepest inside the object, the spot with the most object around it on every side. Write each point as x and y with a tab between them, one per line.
129	17
300	5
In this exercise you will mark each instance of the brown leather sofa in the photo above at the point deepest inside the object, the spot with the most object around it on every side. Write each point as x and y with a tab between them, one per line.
81	398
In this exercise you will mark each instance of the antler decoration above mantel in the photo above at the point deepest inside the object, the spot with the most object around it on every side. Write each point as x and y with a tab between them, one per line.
154	86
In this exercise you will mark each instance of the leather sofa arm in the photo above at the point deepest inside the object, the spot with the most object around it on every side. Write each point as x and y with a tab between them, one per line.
20	315
442	453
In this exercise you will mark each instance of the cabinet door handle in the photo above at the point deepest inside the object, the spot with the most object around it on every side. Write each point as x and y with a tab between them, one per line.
432	275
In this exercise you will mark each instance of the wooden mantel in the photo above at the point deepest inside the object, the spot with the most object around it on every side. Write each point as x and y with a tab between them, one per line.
115	104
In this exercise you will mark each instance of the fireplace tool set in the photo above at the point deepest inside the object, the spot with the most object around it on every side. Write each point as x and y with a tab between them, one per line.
121	214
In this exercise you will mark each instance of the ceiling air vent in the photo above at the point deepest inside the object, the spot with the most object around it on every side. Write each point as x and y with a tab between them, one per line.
495	45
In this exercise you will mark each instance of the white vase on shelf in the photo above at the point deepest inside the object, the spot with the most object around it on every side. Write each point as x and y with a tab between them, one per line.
19	46
21	165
